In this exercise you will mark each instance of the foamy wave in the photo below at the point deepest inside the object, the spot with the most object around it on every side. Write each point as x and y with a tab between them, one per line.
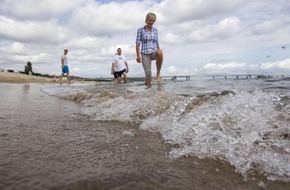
250	130
131	107
231	128
74	92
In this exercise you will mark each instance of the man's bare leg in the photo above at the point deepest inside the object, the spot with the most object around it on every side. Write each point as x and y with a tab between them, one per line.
118	80
68	78
60	79
125	77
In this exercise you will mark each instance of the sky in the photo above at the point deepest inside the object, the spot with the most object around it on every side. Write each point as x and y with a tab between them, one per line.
197	37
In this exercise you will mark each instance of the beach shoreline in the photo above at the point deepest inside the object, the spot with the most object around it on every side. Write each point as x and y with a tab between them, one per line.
23	78
15	77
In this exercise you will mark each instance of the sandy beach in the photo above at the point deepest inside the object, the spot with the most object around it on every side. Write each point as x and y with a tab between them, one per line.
20	78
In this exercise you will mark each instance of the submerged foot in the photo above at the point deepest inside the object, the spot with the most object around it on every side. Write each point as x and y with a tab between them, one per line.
148	80
148	83
158	78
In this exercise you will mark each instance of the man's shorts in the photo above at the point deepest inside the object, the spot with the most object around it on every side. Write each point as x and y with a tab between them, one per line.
119	73
65	69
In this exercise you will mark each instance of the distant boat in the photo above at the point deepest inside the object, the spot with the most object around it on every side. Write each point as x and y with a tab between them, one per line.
283	47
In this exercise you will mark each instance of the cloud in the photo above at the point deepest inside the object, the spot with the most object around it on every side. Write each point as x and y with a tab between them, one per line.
268	26
106	19
30	31
171	69
172	38
226	28
195	36
284	64
173	11
38	10
225	67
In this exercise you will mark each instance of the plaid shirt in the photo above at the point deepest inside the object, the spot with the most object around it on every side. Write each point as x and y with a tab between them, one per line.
147	39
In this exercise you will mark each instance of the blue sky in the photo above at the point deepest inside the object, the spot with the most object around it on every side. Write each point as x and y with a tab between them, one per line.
196	36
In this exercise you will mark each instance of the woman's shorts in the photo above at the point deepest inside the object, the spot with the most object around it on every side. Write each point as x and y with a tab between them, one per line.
146	62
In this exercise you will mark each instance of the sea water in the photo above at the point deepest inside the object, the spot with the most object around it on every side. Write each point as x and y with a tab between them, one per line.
243	122
199	134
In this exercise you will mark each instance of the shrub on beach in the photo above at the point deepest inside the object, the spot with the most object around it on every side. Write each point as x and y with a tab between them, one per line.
28	68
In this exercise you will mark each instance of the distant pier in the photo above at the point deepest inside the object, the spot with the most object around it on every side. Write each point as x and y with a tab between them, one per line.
237	77
248	76
174	78
197	77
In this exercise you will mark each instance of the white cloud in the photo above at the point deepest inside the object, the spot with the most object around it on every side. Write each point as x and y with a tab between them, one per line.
30	31
187	10
200	36
106	19
15	47
171	69
38	10
171	38
284	64
225	68
226	28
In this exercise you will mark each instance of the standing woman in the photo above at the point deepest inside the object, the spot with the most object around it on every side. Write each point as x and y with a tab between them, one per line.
147	38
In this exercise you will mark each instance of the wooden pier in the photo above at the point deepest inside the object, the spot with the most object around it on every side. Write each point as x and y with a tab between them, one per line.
232	76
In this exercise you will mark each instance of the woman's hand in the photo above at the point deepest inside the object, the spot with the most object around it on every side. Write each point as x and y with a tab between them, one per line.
138	59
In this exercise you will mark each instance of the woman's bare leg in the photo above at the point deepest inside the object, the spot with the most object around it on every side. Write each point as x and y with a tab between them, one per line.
159	60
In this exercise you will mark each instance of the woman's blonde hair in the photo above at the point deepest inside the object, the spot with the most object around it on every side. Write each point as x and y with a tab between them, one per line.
150	15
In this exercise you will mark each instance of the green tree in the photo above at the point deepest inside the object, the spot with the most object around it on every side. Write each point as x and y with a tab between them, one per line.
28	68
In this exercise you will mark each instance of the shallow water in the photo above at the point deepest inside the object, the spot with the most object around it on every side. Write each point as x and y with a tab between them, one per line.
171	136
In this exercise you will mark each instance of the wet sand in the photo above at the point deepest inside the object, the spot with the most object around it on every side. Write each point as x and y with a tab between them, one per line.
46	144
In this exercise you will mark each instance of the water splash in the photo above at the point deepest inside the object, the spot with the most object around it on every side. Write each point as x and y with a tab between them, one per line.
248	129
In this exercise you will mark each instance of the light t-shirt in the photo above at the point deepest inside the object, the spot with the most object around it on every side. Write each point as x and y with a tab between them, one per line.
63	57
119	61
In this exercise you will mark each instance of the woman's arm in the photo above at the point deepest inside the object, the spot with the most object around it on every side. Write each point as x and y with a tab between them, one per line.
138	57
